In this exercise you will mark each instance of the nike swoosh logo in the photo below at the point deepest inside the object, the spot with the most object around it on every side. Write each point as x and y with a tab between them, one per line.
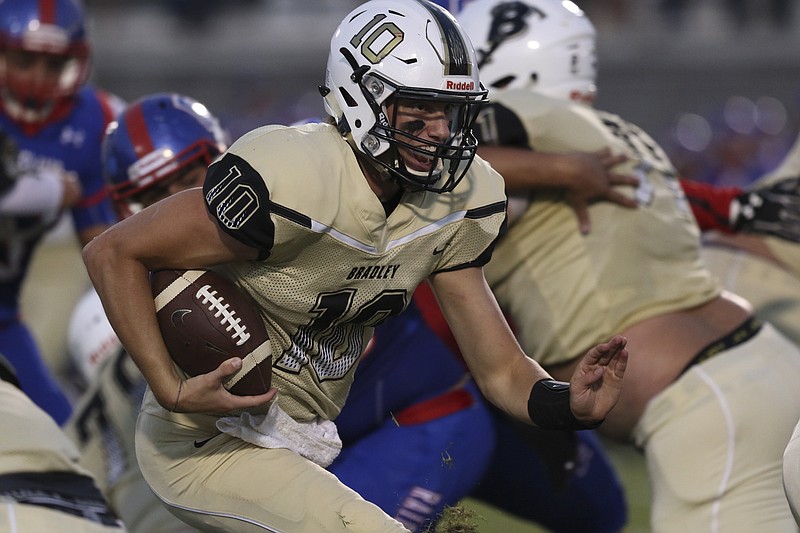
177	316
437	250
201	443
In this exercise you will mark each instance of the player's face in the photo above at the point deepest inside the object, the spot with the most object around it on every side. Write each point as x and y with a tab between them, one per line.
188	178
33	77
423	121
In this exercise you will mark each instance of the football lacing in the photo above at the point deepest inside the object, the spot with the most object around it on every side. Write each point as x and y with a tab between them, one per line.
206	296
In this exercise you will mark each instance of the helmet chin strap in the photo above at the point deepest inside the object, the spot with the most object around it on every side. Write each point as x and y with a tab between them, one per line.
368	166
335	111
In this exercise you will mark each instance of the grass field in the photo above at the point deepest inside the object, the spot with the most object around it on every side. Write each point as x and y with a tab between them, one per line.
630	466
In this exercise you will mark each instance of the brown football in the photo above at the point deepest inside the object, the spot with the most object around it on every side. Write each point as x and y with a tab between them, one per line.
205	319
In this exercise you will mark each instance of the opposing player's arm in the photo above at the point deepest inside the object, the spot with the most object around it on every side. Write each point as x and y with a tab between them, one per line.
36	193
33	195
177	232
769	209
710	205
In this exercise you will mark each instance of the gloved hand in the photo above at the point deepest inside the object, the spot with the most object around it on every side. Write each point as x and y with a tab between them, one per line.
771	210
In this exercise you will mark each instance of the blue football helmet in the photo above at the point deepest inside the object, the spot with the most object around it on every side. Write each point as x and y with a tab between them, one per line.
52	27
152	141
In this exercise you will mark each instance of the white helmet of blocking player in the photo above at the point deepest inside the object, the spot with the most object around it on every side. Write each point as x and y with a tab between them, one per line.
547	46
90	337
411	49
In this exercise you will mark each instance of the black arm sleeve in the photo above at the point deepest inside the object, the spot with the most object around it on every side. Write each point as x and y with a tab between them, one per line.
238	199
498	125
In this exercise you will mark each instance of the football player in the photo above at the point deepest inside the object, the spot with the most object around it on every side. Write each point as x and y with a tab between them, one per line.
157	146
56	122
705	370
587	177
404	435
42	486
330	227
766	271
412	443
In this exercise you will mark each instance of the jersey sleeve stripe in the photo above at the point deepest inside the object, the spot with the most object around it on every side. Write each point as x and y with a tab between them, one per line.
486	211
291	214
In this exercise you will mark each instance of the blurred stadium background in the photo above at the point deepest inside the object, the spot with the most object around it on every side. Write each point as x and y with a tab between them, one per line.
716	82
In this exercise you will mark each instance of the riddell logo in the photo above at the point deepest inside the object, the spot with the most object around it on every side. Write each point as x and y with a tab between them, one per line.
460	85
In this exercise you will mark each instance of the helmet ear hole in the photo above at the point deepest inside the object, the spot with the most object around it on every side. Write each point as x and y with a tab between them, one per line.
348	99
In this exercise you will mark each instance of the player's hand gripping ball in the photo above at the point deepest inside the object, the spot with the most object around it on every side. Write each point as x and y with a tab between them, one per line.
205	319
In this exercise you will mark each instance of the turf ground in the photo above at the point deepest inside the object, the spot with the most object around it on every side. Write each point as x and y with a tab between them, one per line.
630	466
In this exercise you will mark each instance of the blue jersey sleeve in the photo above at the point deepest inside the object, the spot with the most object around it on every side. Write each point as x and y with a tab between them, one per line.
94	210
81	153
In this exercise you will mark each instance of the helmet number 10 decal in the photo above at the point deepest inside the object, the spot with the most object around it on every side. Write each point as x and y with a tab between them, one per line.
387	36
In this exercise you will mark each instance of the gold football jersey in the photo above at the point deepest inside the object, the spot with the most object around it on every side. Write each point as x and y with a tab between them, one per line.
32	441
787	251
104	419
102	426
565	291
333	266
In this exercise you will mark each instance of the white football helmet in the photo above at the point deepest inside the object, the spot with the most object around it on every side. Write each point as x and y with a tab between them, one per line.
546	46
90	337
410	49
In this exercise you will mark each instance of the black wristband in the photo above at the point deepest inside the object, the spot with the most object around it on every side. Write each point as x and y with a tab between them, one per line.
548	406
